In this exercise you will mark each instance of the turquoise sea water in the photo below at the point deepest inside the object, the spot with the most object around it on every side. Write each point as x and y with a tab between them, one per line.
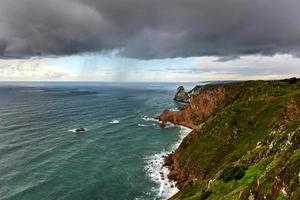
117	158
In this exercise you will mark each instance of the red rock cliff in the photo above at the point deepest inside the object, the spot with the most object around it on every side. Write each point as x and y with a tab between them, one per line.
200	106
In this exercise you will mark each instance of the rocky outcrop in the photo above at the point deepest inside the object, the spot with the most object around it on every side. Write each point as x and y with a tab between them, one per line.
181	95
80	130
199	107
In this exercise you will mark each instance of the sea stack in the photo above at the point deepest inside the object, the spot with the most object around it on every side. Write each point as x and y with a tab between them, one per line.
181	95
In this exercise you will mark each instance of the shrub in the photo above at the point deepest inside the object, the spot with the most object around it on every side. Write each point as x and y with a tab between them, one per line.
292	80
232	173
205	195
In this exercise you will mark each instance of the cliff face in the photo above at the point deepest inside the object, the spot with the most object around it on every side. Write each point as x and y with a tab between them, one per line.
245	142
197	110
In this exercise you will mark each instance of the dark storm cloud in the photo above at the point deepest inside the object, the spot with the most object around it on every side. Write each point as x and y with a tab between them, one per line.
150	28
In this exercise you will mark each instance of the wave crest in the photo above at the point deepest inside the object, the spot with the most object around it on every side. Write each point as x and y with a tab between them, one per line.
115	121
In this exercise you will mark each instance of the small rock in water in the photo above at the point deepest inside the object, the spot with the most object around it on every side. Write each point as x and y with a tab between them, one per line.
80	130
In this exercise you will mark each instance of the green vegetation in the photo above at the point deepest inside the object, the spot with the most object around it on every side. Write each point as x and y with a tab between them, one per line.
249	147
232	173
205	195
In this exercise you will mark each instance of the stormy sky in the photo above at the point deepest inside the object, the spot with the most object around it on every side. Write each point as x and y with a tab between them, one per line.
153	40
150	29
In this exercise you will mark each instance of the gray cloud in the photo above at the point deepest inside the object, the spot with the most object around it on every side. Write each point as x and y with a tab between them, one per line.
150	29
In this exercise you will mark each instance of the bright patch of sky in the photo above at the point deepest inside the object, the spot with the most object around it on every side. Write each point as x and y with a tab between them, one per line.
95	67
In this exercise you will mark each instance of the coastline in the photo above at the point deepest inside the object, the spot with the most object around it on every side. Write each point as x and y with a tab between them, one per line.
210	162
201	104
159	171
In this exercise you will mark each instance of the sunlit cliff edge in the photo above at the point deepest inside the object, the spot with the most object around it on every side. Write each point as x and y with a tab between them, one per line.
245	142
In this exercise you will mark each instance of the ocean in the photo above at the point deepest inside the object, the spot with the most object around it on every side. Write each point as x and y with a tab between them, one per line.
117	158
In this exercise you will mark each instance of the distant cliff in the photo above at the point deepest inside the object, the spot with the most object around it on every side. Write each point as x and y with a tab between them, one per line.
245	142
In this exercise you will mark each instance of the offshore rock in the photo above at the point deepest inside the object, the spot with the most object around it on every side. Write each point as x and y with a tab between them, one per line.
80	130
181	95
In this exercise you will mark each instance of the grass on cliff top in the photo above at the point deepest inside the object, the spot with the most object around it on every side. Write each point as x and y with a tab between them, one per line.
220	190
245	118
236	126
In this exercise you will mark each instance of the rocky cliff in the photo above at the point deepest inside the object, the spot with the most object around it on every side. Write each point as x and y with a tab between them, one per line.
197	110
245	142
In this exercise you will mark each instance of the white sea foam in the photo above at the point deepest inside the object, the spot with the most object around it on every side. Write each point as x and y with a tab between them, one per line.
146	118
115	121
169	125
142	125
156	122
159	173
